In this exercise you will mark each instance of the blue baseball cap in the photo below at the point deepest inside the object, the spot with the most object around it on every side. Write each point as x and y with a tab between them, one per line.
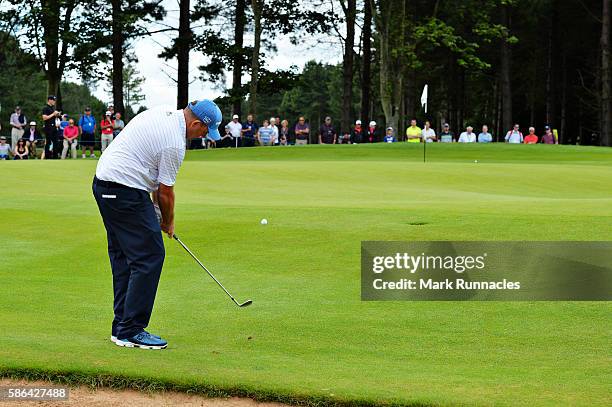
210	114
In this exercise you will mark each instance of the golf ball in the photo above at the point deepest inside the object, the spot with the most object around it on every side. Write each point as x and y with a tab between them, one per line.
476	161
264	221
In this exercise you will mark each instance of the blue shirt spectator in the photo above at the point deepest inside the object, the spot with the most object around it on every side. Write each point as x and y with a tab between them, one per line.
249	128
389	137
485	136
87	122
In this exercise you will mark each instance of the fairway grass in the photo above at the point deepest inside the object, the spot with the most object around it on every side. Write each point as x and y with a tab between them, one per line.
308	337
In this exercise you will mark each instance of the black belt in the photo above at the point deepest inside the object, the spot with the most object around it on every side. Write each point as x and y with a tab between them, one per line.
109	184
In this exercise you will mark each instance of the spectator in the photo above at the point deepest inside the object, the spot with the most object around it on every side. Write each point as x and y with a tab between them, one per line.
227	140
118	125
357	135
283	133
514	136
49	114
428	134
18	124
60	124
446	136
468	135
71	134
531	138
5	149
327	133
249	130
236	130
87	128
485	136
302	131
413	132
106	128
389	136
549	137
265	134
275	129
344	138
372	133
21	150
111	109
31	138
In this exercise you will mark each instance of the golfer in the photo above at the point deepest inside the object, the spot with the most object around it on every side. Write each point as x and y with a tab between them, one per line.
143	161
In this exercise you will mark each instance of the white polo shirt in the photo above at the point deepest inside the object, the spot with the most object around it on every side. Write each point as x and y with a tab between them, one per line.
235	129
149	150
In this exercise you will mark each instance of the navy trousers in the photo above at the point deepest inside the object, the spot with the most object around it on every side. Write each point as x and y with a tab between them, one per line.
136	252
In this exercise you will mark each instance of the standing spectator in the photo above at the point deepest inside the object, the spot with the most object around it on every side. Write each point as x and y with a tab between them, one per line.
283	133
118	125
372	134
414	132
71	133
302	131
111	109
18	124
265	134
549	137
327	133
531	138
21	151
106	128
249	130
428	134
236	130
446	136
357	135
514	136
31	138
485	136
87	128
49	114
468	135
273	123
389	136
5	149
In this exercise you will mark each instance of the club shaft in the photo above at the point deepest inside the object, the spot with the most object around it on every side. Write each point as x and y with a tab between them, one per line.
204	267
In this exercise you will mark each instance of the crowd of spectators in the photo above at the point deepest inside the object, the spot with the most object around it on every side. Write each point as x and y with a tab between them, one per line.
62	134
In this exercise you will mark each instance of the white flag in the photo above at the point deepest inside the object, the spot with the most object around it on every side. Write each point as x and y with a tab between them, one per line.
424	98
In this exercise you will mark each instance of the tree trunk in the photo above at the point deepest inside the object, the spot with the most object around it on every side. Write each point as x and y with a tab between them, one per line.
257	9
50	23
505	74
183	44
347	66
366	70
606	106
239	26
118	41
550	68
562	130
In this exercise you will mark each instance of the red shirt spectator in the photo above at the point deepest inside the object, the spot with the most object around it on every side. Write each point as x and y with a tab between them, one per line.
107	126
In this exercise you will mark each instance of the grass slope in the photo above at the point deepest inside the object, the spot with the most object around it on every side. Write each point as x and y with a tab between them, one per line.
311	338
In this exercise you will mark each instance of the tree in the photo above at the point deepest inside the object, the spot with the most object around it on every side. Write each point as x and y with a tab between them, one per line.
257	6
350	12
366	48
606	103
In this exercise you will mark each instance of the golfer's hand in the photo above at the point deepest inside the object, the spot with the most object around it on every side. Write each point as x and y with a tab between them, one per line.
168	229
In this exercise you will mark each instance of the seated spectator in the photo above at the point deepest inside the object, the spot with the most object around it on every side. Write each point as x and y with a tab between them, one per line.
389	136
531	138
446	136
21	150
344	138
372	134
71	134
209	143
428	134
5	149
357	133
302	132
327	132
414	132
118	124
265	134
32	138
514	136
549	137
283	133
485	136
468	135
249	130
227	140
106	128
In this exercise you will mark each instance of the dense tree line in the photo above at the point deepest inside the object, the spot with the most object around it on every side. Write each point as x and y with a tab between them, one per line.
534	62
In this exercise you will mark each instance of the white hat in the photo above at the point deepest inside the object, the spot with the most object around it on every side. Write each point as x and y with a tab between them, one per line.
358	122
32	123
372	123
235	116
108	113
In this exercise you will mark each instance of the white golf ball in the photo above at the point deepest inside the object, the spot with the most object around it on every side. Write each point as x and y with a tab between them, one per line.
264	221
476	161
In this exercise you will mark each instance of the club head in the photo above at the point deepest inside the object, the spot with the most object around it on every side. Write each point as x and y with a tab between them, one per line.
245	304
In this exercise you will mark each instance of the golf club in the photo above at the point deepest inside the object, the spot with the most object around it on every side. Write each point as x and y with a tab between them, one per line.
244	304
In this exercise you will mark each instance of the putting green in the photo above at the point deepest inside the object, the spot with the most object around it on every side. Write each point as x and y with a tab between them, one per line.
307	335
